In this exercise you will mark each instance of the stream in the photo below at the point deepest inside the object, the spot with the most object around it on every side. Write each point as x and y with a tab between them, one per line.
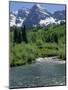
44	72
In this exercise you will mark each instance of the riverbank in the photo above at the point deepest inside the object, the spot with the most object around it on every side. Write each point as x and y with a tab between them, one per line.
50	60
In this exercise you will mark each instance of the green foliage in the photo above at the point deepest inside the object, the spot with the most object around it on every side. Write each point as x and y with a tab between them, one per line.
39	43
23	53
36	42
32	37
15	35
24	37
19	35
61	53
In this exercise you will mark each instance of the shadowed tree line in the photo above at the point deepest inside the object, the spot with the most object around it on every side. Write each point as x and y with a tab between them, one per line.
20	34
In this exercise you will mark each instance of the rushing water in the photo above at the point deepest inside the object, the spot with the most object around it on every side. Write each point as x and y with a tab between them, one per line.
37	75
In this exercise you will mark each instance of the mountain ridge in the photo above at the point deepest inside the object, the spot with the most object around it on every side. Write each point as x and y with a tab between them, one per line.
36	16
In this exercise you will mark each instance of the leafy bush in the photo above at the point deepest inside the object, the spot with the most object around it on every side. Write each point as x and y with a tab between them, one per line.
61	53
41	43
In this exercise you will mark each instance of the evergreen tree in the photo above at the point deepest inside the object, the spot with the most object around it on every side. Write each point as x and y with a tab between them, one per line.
22	32
56	38
24	37
15	34
19	37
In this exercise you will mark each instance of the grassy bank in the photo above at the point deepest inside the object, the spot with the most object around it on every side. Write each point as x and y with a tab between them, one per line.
41	43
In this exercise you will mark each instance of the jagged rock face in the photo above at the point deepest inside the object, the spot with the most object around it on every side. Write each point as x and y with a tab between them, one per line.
59	15
36	16
22	13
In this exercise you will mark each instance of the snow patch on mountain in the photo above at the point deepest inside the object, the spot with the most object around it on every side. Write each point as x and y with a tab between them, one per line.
15	12
38	5
47	21
59	21
35	16
44	13
12	20
21	22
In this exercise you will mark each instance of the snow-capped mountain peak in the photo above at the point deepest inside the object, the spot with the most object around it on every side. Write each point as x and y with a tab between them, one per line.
37	15
38	6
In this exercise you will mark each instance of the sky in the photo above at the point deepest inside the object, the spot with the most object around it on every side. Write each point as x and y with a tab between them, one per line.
14	6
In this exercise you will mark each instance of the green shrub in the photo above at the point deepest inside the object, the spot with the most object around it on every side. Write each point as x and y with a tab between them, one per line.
41	43
62	54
